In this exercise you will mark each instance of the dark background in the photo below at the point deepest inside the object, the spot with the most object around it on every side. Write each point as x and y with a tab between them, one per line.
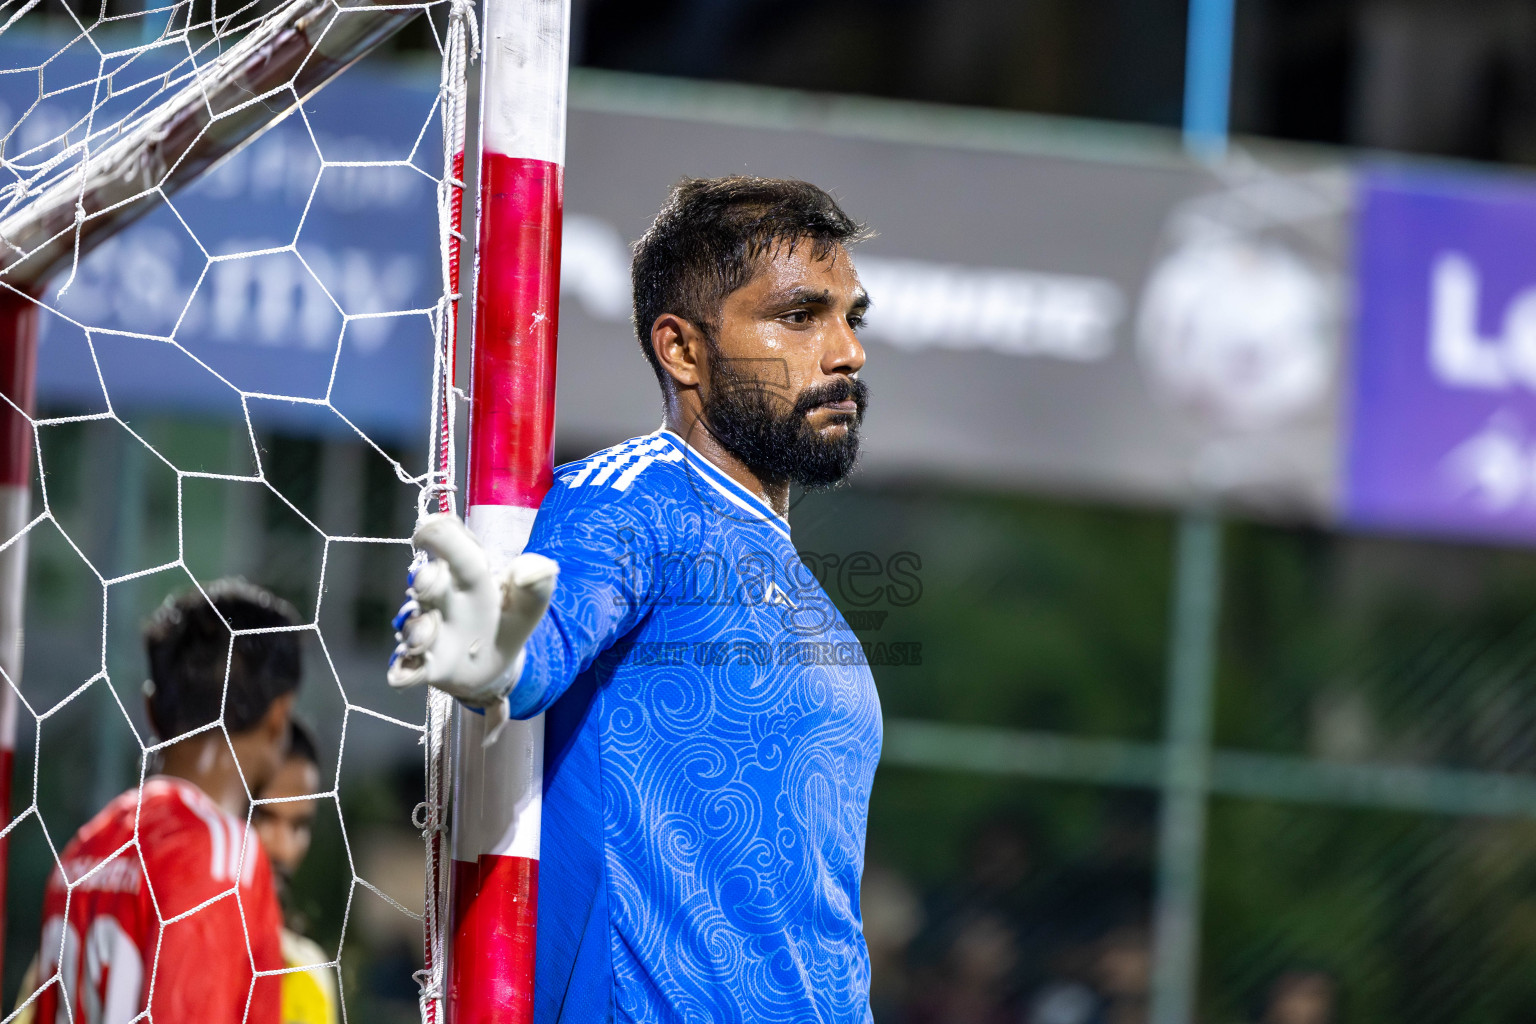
1446	77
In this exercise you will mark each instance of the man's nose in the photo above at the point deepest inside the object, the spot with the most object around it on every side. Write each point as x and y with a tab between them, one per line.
844	353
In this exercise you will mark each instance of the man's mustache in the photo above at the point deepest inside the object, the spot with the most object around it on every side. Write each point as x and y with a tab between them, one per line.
842	389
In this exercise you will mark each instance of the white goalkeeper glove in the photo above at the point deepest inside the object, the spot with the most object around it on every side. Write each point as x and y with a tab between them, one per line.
462	627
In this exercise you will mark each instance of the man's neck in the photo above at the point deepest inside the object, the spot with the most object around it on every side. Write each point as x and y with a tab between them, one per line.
689	425
207	763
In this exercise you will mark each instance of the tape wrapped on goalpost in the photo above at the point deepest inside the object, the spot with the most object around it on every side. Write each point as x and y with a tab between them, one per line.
498	791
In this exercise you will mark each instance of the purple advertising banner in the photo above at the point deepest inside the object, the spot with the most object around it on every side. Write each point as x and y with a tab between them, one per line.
1442	433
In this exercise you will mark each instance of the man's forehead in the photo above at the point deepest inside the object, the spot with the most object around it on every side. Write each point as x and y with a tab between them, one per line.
784	270
297	777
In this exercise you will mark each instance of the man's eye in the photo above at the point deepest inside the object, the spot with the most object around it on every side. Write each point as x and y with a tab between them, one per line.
856	322
797	316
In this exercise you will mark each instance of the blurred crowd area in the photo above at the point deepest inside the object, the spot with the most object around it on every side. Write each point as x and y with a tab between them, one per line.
990	896
998	896
1309	919
1014	933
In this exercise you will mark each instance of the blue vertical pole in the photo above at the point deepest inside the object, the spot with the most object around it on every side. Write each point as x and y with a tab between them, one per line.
1196	609
1208	76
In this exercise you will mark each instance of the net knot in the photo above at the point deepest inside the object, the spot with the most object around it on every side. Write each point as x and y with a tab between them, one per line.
425	817
431	993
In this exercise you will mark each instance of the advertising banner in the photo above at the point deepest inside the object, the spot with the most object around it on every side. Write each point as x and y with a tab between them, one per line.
1069	308
331	240
1442	429
1058	306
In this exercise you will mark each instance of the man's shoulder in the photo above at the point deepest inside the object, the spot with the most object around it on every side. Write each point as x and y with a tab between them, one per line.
176	809
654	485
661	479
108	836
634	493
109	828
167	828
642	467
149	813
191	844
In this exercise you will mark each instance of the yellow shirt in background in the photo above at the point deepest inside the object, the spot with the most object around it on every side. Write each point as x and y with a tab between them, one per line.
28	983
309	997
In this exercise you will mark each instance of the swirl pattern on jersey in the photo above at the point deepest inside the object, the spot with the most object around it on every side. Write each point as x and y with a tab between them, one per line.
733	776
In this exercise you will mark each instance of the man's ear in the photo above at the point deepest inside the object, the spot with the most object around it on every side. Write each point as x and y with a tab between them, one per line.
680	349
149	711
275	722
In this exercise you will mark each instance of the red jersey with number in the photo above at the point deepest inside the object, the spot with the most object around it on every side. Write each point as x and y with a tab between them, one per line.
178	922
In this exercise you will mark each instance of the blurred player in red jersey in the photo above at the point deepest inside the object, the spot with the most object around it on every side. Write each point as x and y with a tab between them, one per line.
179	921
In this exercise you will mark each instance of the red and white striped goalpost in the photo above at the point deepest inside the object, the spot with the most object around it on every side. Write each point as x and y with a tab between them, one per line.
498	791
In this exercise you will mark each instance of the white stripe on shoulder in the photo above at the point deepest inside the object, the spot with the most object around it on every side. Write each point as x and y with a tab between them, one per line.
248	840
234	830
596	462
619	466
218	833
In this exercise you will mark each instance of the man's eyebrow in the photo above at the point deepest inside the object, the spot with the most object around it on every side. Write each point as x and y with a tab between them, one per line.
802	296
807	296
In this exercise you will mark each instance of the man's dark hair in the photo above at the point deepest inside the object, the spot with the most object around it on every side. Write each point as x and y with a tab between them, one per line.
707	240
188	646
302	743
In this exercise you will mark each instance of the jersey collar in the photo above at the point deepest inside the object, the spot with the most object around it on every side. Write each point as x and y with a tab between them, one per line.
729	489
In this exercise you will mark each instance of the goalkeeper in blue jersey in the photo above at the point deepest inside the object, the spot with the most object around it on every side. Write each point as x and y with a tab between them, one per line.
712	728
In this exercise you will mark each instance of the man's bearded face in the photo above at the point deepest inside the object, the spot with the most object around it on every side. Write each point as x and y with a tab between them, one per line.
774	439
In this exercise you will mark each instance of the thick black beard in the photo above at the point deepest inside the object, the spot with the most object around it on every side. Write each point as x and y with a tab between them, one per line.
777	443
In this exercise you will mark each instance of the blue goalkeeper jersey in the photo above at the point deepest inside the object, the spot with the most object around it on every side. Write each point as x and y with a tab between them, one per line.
712	735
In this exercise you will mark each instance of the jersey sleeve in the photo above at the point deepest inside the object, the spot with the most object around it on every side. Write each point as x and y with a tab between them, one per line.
611	546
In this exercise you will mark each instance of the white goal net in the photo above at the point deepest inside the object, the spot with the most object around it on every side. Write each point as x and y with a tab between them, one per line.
235	247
